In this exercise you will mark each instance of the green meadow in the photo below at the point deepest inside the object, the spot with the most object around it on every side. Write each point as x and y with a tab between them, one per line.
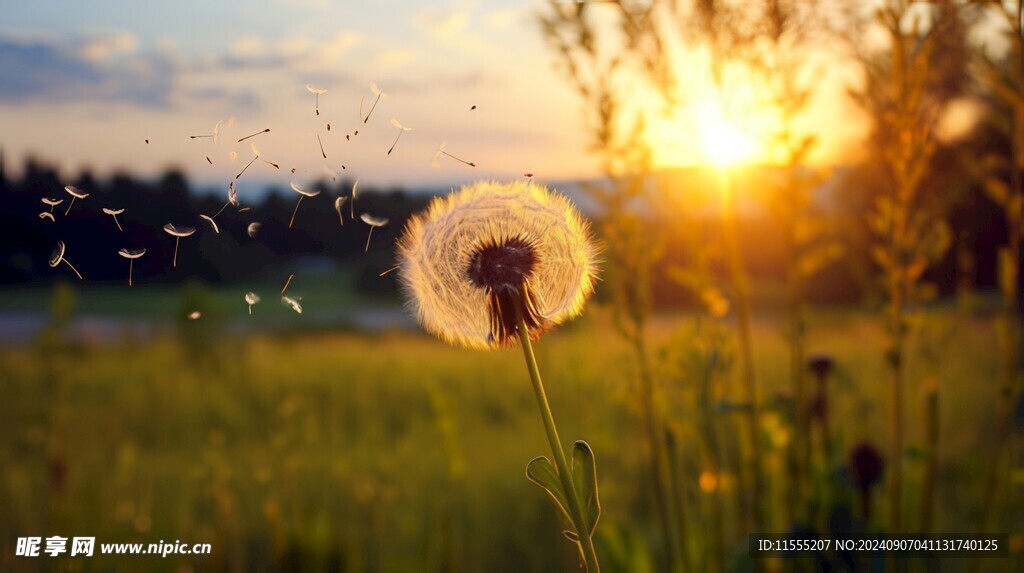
334	450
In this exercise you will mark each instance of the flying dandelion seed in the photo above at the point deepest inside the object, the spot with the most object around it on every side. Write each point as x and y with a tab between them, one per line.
208	160
57	257
114	213
147	142
286	283
131	255
352	205
255	156
321	146
401	129
177	232
294	304
47	215
195	315
477	255
440	151
244	209
338	203
328	127
75	193
51	202
232	200
253	229
215	135
373	222
267	130
233	155
251	298
528	176
213	223
380	95
231	122
302	194
472	108
293	171
317	92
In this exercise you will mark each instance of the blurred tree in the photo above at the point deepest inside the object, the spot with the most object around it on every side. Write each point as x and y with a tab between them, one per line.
908	83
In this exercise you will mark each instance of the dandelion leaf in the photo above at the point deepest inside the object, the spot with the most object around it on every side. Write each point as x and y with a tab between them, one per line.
541	472
584	479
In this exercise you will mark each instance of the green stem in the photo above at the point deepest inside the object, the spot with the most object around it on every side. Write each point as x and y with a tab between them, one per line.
586	544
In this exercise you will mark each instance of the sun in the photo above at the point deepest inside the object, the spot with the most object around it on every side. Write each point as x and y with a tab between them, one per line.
722	143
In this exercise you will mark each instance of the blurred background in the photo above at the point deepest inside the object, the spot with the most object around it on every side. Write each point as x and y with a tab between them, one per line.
808	321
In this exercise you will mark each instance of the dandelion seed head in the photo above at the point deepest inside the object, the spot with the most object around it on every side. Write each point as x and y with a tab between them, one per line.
251	298
113	211
232	194
195	315
470	258
253	229
315	90
46	215
51	202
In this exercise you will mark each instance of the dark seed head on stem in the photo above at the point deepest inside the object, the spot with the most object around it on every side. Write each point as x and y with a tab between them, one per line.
503	269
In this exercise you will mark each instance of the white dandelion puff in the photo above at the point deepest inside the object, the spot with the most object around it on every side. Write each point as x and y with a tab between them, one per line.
478	258
253	228
380	95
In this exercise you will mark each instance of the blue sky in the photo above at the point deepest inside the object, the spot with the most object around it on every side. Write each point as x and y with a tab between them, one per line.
86	83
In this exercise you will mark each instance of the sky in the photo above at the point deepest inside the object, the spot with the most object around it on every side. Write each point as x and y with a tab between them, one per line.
86	84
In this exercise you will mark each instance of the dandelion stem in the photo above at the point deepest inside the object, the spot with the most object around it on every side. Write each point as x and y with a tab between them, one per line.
367	249
295	212
586	543
116	222
130	264
176	241
69	206
68	263
221	210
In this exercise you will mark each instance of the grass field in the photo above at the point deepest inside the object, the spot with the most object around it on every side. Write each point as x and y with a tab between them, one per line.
340	451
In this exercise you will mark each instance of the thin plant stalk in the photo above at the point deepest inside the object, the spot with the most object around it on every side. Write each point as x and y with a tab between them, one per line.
586	543
130	265
744	319
176	241
368	237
